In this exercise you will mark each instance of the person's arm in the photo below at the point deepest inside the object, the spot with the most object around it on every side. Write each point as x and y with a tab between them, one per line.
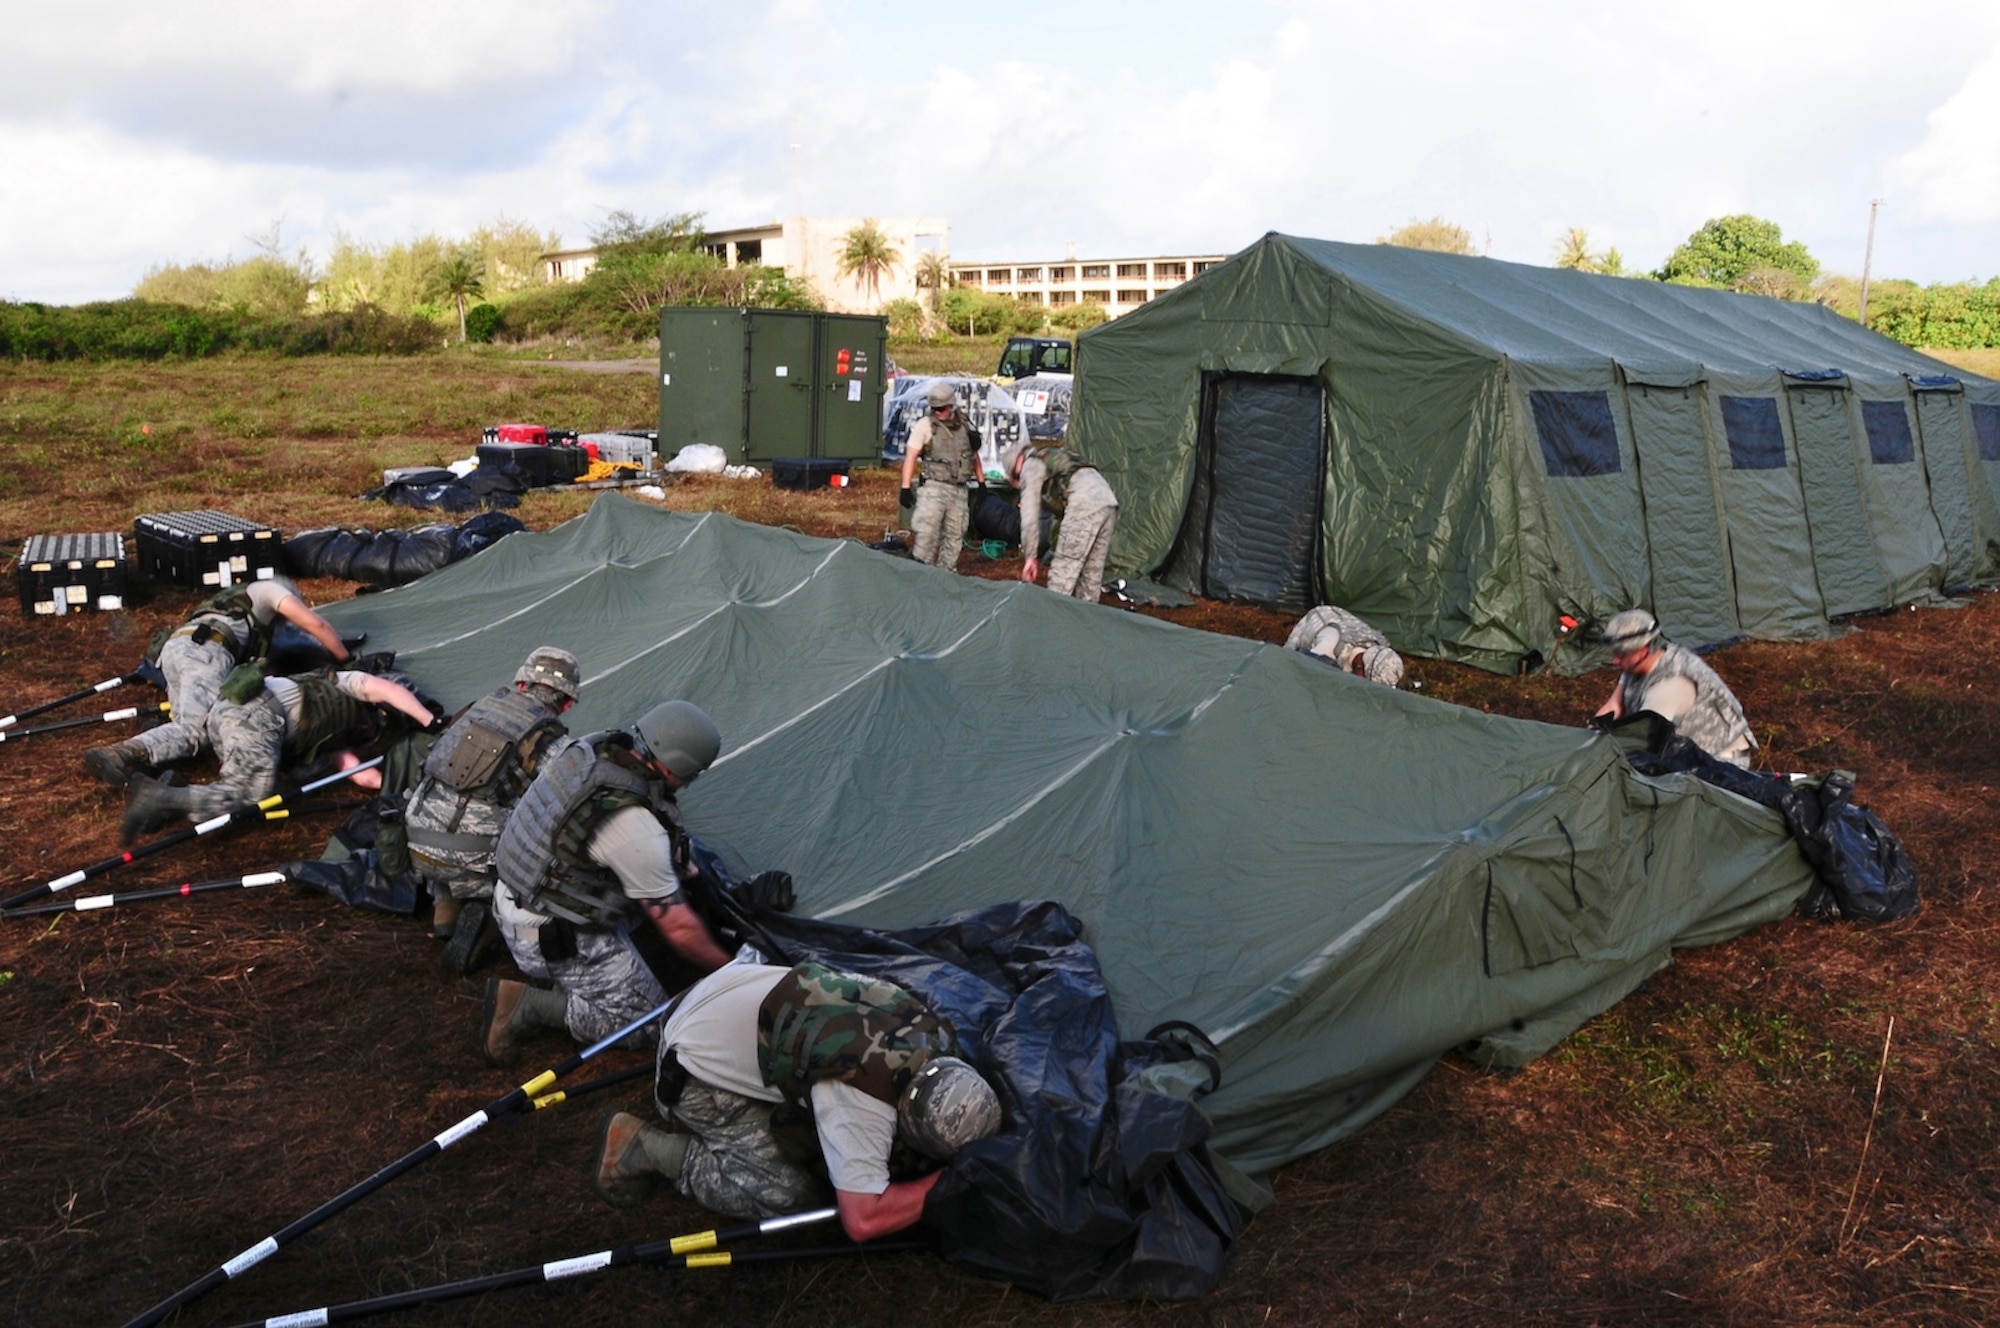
1614	705
920	437
382	691
866	1216
297	612
1033	472
686	933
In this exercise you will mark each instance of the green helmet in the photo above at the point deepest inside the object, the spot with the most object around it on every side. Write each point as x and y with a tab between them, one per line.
1630	631
680	736
947	1106
551	668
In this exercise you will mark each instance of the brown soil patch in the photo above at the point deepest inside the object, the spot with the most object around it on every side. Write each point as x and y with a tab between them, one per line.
181	1080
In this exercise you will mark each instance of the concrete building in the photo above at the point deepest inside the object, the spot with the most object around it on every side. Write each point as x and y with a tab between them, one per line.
809	248
1119	285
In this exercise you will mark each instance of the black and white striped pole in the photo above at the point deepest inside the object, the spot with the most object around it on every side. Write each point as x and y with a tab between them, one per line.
162	710
519	1100
147	894
9	721
270	809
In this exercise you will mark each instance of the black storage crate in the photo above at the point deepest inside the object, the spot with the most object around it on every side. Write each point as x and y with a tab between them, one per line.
61	574
538	466
807	472
212	549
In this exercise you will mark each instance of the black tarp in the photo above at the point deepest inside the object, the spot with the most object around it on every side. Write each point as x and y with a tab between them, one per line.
393	557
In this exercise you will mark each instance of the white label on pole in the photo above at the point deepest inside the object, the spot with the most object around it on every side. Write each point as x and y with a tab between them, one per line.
588	1263
460	1130
783	371
251	1257
110	715
853	390
93	901
265	878
666	380
303	1319
65	882
213	824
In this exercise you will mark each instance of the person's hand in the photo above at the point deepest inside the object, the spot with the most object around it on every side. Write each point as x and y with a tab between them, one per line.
908	498
1031	569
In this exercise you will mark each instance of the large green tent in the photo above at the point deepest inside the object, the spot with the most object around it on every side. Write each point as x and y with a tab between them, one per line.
1338	881
1463	451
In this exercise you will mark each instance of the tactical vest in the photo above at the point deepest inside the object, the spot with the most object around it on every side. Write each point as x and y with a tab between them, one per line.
544	853
233	605
329	717
1715	721
488	756
951	456
820	1023
1061	464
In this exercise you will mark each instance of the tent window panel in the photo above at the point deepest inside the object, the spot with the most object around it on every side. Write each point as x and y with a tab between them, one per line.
1756	438
1889	440
1576	431
1986	427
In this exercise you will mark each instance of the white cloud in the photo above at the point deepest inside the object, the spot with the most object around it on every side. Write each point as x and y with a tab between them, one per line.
1953	176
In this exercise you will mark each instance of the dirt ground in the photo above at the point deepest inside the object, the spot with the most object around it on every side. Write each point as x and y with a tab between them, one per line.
1743	1141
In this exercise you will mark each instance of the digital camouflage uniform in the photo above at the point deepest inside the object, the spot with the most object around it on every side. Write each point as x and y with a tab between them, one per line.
551	887
222	632
472	778
950	462
291	722
1338	636
753	1159
1715	722
1087	510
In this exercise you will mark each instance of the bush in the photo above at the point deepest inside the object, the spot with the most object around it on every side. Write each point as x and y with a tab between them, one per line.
1079	317
906	318
483	322
151	330
975	313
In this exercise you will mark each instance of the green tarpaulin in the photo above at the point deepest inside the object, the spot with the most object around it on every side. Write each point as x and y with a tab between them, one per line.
1338	881
1463	451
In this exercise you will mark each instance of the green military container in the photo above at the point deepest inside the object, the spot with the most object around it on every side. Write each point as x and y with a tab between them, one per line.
764	384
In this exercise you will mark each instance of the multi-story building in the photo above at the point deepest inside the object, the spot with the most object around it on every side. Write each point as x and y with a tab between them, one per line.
1119	285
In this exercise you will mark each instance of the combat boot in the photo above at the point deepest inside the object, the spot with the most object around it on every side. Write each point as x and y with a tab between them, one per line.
150	804
444	915
474	938
633	1157
511	1009
117	763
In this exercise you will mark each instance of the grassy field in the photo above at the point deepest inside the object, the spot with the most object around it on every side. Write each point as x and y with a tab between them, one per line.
1796	1126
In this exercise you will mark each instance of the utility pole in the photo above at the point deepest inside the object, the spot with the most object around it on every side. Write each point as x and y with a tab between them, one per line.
1868	258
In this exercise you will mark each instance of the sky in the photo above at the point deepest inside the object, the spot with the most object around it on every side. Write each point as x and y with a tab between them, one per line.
134	135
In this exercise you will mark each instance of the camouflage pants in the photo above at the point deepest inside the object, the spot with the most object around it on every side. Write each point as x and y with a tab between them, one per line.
1082	543
194	675
444	854
250	740
938	524
734	1165
606	983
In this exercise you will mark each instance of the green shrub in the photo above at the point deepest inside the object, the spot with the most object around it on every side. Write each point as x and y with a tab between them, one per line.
483	322
152	330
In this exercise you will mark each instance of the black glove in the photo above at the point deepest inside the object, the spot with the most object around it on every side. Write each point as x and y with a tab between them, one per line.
771	890
1604	723
908	498
439	722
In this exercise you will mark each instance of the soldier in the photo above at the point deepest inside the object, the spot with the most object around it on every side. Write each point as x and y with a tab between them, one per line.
1676	684
950	453
1343	640
472	778
772	1078
260	725
1082	502
224	631
595	839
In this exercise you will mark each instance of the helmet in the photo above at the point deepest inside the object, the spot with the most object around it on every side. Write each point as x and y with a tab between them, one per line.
680	736
551	668
1011	457
941	393
947	1106
1631	631
1382	665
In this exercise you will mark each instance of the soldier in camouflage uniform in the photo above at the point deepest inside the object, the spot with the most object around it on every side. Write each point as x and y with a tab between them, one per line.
1343	640
228	629
949	452
778	1082
596	841
474	775
1676	684
302	721
1084	506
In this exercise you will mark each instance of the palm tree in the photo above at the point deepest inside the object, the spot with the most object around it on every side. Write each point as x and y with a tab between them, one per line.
932	274
867	256
1573	251
459	278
